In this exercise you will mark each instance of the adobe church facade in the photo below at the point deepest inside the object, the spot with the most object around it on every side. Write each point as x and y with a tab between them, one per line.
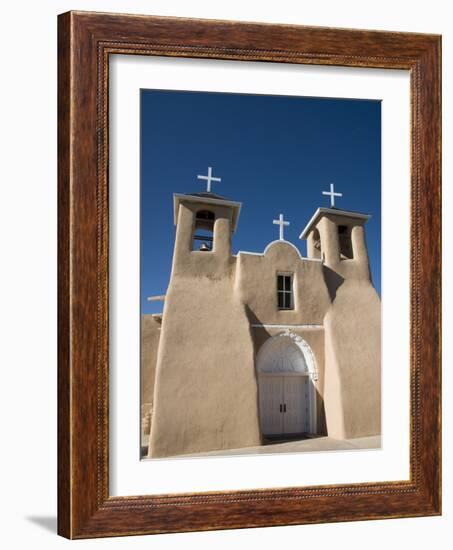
255	345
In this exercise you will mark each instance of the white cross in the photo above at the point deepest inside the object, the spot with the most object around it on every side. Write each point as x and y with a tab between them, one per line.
332	195
281	223
209	178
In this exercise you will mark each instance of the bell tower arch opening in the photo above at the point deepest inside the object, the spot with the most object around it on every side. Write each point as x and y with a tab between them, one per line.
345	243
203	232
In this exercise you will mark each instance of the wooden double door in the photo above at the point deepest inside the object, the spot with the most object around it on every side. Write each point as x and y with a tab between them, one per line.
284	403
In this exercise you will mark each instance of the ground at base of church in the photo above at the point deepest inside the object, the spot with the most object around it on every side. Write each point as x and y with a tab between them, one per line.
315	444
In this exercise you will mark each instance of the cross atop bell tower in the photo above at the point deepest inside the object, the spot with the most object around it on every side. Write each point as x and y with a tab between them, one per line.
209	179
332	195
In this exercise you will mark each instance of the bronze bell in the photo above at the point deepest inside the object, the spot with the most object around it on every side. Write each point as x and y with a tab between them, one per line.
204	247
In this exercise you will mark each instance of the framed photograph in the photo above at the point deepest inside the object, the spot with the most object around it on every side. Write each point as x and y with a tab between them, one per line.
249	275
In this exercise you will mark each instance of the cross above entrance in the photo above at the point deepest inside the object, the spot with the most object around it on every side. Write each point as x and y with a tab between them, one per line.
281	223
332	195
209	179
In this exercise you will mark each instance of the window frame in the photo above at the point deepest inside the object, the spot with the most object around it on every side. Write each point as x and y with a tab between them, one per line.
284	292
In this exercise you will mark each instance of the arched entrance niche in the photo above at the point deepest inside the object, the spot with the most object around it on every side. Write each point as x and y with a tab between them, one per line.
286	370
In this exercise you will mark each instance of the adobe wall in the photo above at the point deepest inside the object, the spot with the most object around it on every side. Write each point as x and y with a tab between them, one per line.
256	285
352	392
150	334
205	393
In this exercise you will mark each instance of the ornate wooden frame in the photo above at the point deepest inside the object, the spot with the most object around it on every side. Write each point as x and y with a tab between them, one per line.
85	42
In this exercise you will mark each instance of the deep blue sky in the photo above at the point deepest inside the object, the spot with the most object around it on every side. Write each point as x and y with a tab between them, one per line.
275	154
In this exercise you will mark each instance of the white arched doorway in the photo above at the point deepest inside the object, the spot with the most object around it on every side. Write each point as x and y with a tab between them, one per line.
286	370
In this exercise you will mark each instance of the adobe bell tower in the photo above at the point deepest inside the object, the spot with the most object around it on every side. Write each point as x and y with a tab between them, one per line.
337	237
205	338
352	323
204	223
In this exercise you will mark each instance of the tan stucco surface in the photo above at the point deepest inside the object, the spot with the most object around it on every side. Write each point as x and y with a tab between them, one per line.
352	392
205	395
205	392
256	285
150	334
353	356
220	309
